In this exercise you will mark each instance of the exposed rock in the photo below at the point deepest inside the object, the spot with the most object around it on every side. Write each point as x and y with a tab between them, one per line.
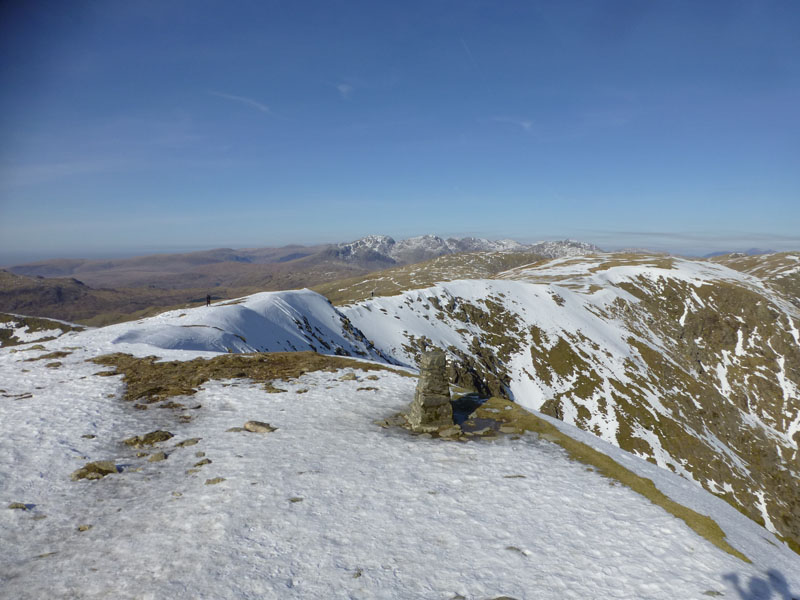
205	461
398	420
18	505
172	404
348	377
449	432
431	409
235	429
95	470
259	427
272	389
215	480
148	439
84	527
189	442
158	456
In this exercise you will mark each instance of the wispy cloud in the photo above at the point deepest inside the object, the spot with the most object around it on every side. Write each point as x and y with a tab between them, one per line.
345	90
525	124
469	53
692	242
244	100
13	175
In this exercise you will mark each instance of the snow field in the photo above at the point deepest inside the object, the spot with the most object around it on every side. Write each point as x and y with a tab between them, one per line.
264	322
329	505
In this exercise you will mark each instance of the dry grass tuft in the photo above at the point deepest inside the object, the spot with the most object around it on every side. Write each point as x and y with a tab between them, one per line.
148	381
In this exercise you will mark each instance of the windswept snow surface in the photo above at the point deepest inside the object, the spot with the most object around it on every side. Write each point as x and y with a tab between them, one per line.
329	505
266	322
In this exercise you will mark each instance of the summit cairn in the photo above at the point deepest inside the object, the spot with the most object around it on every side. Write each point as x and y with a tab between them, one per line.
431	410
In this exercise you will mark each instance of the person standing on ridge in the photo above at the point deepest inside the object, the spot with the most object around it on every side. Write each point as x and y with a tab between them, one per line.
208	299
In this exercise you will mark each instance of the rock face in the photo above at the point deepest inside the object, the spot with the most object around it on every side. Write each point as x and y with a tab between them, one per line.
431	410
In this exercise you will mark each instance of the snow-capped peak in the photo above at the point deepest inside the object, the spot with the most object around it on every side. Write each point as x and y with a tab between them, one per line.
383	248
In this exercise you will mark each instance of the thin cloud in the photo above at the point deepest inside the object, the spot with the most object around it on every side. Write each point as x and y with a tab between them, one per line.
244	100
708	235
693	243
525	124
345	90
469	53
13	175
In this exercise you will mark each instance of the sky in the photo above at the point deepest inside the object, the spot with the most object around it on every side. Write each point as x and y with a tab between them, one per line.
133	127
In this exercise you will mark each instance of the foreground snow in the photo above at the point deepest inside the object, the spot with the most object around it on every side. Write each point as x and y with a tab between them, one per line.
330	505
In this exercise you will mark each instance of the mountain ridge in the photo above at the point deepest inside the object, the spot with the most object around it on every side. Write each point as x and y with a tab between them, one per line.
690	364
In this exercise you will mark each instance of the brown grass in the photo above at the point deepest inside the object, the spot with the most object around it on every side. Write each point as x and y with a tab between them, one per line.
150	381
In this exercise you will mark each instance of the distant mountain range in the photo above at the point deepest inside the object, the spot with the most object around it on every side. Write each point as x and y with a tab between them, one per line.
99	292
258	267
748	252
385	250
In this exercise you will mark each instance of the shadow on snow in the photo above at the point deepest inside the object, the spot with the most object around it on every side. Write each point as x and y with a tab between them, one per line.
774	587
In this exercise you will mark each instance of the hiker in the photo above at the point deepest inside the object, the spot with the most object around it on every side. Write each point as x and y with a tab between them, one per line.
208	299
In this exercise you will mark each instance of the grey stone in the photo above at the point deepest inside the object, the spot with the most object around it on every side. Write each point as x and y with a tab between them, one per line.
189	442
148	439
431	410
259	427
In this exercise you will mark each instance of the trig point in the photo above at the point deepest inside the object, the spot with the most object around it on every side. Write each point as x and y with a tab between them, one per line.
431	410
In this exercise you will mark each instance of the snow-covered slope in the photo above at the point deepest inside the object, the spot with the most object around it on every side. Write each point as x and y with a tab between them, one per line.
19	329
563	248
689	364
267	322
329	504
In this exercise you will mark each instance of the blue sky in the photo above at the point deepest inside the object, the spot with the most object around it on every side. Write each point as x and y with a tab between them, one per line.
130	127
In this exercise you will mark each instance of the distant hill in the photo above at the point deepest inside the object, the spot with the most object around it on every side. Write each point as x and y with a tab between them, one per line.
278	268
99	292
748	252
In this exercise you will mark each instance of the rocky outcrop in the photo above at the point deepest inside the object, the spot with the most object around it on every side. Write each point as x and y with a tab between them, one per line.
431	409
95	470
258	427
148	439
